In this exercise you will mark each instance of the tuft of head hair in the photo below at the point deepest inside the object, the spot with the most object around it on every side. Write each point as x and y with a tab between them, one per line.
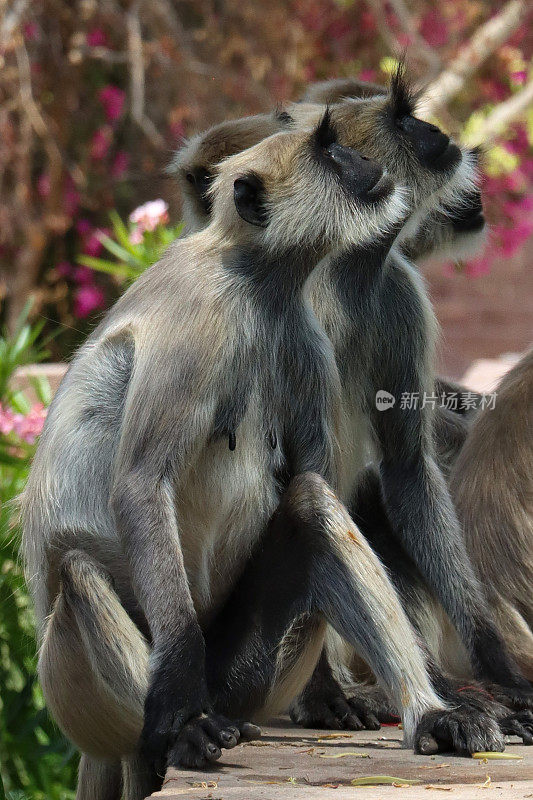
403	95
326	132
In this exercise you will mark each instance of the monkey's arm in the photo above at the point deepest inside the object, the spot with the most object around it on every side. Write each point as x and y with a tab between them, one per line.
163	421
453	232
416	496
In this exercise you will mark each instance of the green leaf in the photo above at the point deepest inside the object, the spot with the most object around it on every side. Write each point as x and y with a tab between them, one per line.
41	387
110	267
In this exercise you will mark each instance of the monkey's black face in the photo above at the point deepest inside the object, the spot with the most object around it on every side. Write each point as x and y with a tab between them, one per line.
360	177
320	174
431	147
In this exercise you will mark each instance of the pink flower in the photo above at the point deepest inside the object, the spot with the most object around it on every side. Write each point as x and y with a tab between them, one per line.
31	31
64	269
433	29
29	427
88	299
71	199
83	227
136	236
101	142
519	77
147	217
7	421
83	275
43	184
120	164
92	245
112	98
478	267
367	75
96	37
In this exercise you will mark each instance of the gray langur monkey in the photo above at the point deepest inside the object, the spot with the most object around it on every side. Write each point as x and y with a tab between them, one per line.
380	327
455	232
491	484
490	480
170	583
459	233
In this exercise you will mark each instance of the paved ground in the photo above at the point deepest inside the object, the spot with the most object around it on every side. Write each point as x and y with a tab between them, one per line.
290	762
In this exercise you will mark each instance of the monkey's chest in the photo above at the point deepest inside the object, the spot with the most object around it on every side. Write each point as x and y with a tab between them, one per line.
224	506
264	432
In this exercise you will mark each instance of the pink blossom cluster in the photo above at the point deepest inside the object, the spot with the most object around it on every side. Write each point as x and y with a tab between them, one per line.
88	295
509	198
146	218
26	426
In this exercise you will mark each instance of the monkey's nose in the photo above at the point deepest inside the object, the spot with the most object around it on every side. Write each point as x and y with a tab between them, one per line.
429	141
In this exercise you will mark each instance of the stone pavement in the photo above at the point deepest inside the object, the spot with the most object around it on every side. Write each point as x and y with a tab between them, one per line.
291	763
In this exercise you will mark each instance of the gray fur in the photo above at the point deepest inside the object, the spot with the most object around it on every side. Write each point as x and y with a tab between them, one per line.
128	468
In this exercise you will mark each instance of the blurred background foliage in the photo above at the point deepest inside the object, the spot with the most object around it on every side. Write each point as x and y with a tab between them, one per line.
35	760
94	98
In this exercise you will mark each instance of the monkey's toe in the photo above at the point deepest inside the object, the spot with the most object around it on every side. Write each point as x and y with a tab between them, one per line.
330	710
248	731
519	724
372	706
462	730
202	740
516	699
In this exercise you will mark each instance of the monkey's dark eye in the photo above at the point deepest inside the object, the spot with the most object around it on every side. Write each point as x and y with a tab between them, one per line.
189	177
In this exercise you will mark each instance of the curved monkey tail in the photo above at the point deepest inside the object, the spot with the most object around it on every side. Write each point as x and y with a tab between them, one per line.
93	667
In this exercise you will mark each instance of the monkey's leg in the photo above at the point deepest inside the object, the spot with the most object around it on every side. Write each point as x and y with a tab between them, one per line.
415	493
93	668
476	707
516	632
337	701
99	780
314	561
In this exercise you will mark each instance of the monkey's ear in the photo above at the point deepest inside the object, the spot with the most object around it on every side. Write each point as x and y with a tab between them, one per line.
249	196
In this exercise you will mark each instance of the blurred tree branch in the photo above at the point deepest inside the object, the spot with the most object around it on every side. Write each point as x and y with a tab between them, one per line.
11	20
502	116
481	46
137	77
427	53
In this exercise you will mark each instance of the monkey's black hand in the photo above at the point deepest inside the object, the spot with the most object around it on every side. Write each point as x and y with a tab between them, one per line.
519	723
468	216
180	728
463	730
181	740
201	740
323	704
328	707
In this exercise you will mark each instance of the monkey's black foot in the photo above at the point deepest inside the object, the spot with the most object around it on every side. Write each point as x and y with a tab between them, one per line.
201	740
372	706
517	699
462	730
512	723
327	706
520	723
